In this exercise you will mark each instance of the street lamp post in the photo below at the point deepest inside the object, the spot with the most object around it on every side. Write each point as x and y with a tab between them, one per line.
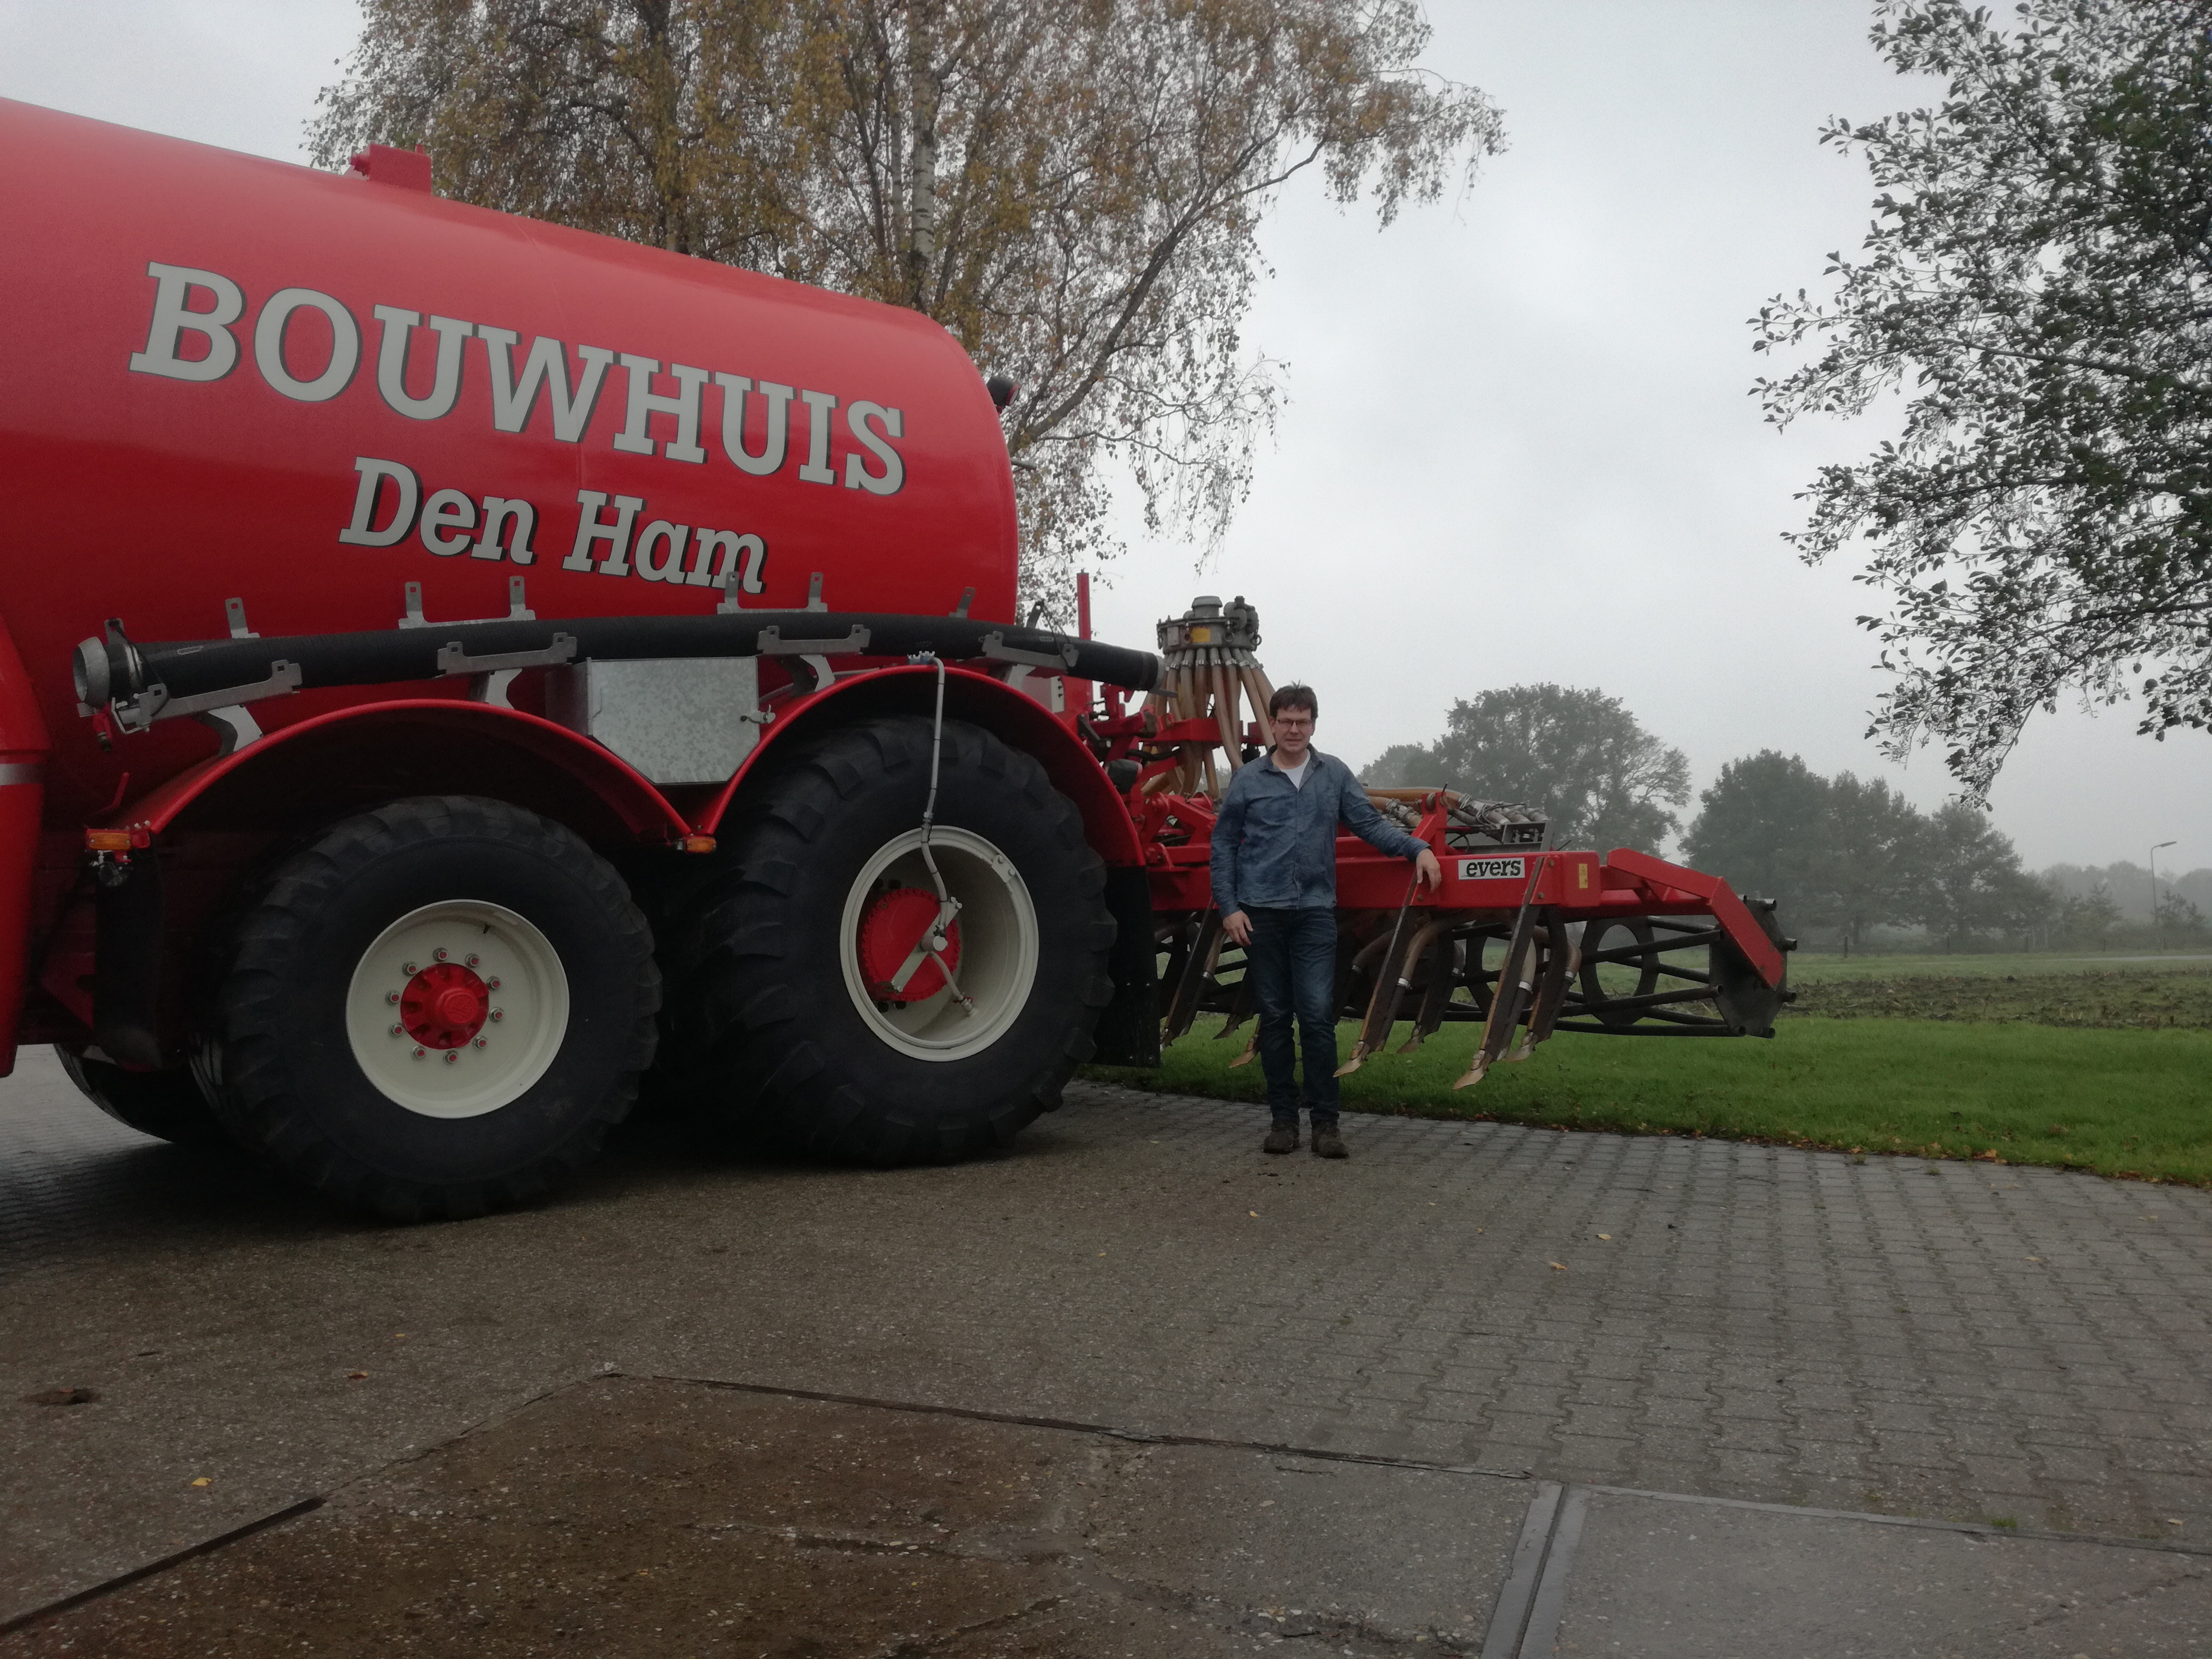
2158	927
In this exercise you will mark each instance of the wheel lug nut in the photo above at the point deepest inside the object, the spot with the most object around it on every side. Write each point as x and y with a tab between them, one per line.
480	1043
491	985
499	1013
392	996
395	1030
439	954
451	1055
418	1054
409	969
474	959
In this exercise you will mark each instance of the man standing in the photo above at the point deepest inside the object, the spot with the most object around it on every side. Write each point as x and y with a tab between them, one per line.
1274	882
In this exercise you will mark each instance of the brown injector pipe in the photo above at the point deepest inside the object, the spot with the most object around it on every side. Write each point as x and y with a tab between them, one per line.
1260	717
1187	773
1517	981
1225	699
1560	959
1209	671
1429	1012
1262	694
1394	982
1387	982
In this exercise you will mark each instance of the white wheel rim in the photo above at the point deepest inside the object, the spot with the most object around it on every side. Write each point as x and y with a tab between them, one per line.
524	1001
998	960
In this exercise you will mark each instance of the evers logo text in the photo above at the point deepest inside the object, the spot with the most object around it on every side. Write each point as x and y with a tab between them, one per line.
1492	869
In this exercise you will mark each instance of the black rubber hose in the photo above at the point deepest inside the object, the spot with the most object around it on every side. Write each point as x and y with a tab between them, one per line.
190	668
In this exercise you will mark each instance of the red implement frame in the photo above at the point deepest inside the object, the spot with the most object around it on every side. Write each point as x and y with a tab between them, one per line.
1588	886
1572	925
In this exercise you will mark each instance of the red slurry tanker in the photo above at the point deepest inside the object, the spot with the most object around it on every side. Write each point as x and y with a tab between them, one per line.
456	670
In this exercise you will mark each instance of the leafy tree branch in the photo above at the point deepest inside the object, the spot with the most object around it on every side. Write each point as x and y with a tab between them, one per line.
2035	289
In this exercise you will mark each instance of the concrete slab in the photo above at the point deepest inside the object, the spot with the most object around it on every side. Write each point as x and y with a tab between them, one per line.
1661	1579
657	1517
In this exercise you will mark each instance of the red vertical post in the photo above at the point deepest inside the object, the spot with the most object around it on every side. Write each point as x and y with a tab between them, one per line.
1079	691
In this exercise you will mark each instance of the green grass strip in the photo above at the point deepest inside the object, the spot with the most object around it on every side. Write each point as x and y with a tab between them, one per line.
2127	1102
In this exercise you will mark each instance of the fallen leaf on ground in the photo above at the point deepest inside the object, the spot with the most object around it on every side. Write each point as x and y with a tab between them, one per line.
63	1397
356	1376
1608	1237
202	1481
1561	1266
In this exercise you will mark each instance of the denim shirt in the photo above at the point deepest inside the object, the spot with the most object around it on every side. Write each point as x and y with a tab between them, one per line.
1274	844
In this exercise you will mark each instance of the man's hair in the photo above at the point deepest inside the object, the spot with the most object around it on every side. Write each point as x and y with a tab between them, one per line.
1293	696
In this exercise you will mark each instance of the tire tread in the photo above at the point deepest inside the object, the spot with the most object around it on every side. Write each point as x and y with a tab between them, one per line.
252	1088
732	1033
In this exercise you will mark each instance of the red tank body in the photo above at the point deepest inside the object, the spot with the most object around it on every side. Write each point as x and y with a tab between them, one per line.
137	489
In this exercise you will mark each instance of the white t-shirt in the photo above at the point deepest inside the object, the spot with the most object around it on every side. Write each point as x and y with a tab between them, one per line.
1297	773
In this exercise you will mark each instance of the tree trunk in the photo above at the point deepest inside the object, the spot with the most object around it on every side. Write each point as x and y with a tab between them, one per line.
666	133
921	194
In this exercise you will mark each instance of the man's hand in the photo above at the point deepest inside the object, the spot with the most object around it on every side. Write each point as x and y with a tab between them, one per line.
1431	872
1238	925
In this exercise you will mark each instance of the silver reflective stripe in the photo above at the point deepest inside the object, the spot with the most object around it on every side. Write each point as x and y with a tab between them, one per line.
22	772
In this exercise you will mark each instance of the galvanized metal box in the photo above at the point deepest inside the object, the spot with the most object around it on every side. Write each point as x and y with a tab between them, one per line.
677	720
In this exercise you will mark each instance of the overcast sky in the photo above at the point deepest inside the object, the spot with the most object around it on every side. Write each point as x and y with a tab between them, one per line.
1517	445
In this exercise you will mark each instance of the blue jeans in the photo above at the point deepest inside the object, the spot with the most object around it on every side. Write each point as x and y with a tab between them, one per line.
1292	963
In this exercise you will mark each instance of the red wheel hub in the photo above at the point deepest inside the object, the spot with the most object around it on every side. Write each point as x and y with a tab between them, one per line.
444	1006
894	924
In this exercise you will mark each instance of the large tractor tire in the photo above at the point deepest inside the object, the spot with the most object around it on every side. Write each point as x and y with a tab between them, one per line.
434	1009
785	1020
167	1105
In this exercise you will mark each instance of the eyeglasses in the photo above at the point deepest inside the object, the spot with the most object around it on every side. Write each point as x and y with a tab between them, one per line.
1292	720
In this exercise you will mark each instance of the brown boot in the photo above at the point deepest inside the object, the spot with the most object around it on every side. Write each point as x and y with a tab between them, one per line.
1327	1143
1283	1138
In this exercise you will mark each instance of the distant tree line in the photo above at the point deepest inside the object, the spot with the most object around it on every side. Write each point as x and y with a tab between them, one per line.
2119	895
1852	856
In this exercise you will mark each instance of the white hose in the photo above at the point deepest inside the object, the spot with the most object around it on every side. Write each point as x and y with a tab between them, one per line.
947	906
936	748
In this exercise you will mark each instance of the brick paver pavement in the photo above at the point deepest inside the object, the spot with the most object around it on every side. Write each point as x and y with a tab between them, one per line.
1958	1339
1897	1335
